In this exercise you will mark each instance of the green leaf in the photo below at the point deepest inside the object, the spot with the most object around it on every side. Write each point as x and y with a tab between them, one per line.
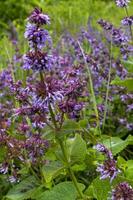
128	83
23	190
99	189
83	123
77	148
115	144
52	170
70	125
62	191
129	170
130	139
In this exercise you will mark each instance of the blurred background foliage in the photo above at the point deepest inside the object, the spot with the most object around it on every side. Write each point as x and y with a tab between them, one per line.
66	16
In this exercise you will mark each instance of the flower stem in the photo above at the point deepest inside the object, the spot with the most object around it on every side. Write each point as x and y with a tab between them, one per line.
91	87
108	85
64	151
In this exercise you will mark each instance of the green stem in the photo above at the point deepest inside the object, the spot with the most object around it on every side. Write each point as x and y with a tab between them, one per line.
107	91
69	169
53	116
91	87
64	151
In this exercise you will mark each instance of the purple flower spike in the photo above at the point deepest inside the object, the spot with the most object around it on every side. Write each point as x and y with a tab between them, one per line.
38	17
108	169
122	3
101	148
123	191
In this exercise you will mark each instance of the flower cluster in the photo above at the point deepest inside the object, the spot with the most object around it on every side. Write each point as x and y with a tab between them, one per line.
127	21
36	59
31	149
116	35
122	3
108	169
122	191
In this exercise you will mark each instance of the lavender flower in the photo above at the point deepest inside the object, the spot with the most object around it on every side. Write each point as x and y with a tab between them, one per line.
123	191
122	3
108	169
127	21
38	17
129	126
37	61
105	25
4	168
116	35
37	37
101	148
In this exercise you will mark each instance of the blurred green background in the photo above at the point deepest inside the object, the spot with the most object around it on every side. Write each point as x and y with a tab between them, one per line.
66	15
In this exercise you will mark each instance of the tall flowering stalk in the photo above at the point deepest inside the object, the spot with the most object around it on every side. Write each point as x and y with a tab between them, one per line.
91	87
36	59
48	90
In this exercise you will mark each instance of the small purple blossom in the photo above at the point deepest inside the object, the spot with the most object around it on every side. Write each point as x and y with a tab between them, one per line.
101	148
129	126
105	25
116	34
4	168
130	107
123	191
108	169
38	17
127	21
122	3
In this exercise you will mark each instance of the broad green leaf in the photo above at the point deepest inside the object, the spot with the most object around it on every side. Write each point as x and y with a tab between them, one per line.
77	148
122	163
70	125
130	139
83	123
99	189
22	190
79	167
52	170
62	191
116	144
129	170
128	83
